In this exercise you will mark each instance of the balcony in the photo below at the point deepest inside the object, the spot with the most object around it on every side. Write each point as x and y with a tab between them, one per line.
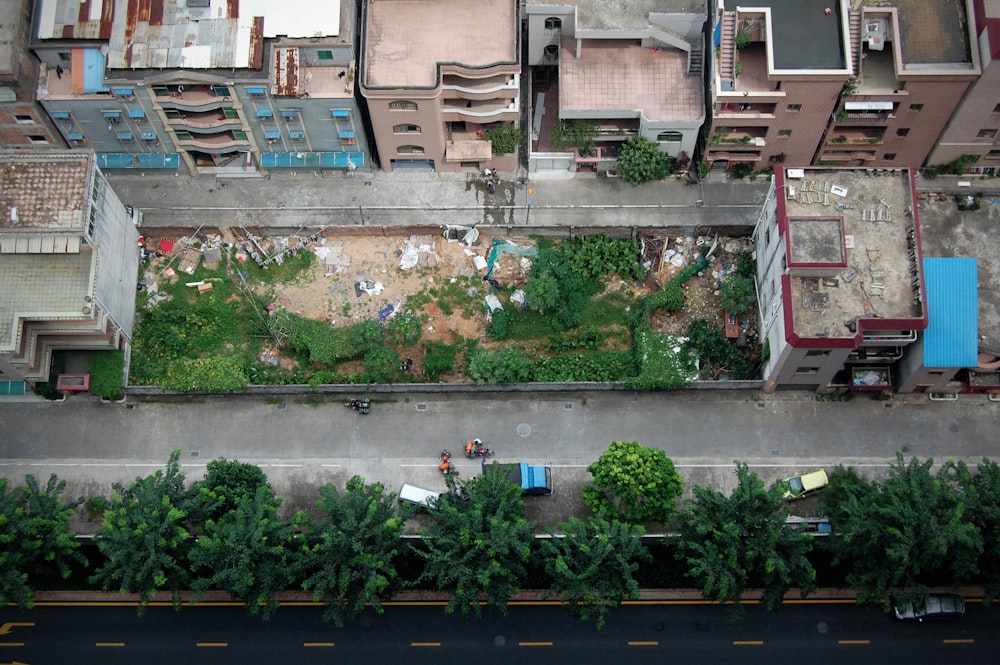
457	110
739	138
452	83
203	120
744	111
223	142
185	98
850	137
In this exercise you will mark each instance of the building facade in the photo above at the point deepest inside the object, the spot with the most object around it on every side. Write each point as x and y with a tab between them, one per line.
839	278
69	261
23	124
838	83
198	86
438	77
626	70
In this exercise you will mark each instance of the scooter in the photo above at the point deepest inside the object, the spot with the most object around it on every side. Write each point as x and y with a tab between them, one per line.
475	448
362	405
446	467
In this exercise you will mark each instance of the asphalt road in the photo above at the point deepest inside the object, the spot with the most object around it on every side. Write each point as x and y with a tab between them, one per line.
304	442
816	633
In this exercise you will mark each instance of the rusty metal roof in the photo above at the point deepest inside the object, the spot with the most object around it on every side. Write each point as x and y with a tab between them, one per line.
189	34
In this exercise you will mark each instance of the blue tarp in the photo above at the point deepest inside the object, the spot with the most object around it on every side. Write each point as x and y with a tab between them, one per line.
93	71
952	335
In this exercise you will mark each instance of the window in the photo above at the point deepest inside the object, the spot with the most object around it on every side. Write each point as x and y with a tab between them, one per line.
817	353
983	133
784	133
37	138
996	109
916	108
794	108
324	55
410	150
993	154
553	24
890	155
65	56
182	135
406	129
402	105
161	91
670	137
24	119
551	50
806	371
903	131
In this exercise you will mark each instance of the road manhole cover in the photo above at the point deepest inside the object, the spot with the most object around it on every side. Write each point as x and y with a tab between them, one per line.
499	641
421	407
568	406
195	453
524	430
281	407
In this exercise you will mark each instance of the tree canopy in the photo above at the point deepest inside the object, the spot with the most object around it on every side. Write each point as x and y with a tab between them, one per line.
741	541
640	160
634	483
350	560
592	564
477	547
34	539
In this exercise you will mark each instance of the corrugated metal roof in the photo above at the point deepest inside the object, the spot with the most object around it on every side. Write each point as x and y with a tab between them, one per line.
952	335
286	71
190	34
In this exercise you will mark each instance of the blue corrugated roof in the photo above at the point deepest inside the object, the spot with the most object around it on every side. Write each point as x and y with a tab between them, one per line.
952	335
93	71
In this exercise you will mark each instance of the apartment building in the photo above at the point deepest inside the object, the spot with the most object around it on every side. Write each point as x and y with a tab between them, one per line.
839	277
974	128
838	82
23	125
437	77
203	86
626	69
69	260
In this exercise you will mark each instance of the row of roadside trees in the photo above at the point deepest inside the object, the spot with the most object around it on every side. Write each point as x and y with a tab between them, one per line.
919	527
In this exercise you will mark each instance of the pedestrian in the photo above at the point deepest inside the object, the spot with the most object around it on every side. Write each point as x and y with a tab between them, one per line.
59	71
180	92
487	173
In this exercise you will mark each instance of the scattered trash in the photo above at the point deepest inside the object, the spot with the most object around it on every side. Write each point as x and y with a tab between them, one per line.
518	297
385	313
369	287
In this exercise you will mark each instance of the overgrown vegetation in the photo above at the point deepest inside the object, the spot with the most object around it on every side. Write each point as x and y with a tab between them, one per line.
505	139
575	133
640	160
107	373
959	166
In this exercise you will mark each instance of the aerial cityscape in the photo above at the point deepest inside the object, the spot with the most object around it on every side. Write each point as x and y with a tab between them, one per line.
610	328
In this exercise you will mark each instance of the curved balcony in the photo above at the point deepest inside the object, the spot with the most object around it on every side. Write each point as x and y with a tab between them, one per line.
225	142
493	109
208	120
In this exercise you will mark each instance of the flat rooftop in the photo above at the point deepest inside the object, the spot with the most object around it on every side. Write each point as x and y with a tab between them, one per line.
934	31
42	287
947	232
10	34
613	75
48	195
193	34
804	36
405	40
618	15
849	254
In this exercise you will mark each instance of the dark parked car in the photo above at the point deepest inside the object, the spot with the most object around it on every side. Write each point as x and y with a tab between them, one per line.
934	606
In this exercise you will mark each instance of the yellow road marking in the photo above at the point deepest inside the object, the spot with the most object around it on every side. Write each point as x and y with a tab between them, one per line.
317	644
748	643
11	644
854	641
110	644
644	644
962	641
212	644
5	629
425	644
534	644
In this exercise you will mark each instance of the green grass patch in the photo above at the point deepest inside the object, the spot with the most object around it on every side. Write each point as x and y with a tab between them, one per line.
529	324
295	268
106	369
606	311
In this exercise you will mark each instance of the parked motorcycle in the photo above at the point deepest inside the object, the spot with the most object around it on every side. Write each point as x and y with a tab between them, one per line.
362	406
446	467
475	448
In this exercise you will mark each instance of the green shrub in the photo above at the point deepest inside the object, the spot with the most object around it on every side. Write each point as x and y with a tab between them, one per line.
499	325
640	160
662	362
439	358
505	139
220	374
670	299
738	293
598	255
324	344
711	346
107	369
508	364
381	363
404	329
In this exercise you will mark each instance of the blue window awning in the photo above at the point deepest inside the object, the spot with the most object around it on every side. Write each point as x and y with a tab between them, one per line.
255	91
123	92
272	135
136	113
296	136
264	113
112	114
124	136
149	136
340	113
60	115
289	113
74	136
347	135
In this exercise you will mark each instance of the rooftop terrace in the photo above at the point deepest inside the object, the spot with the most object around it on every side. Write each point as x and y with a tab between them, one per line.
618	15
48	194
849	249
613	75
933	31
803	35
406	40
